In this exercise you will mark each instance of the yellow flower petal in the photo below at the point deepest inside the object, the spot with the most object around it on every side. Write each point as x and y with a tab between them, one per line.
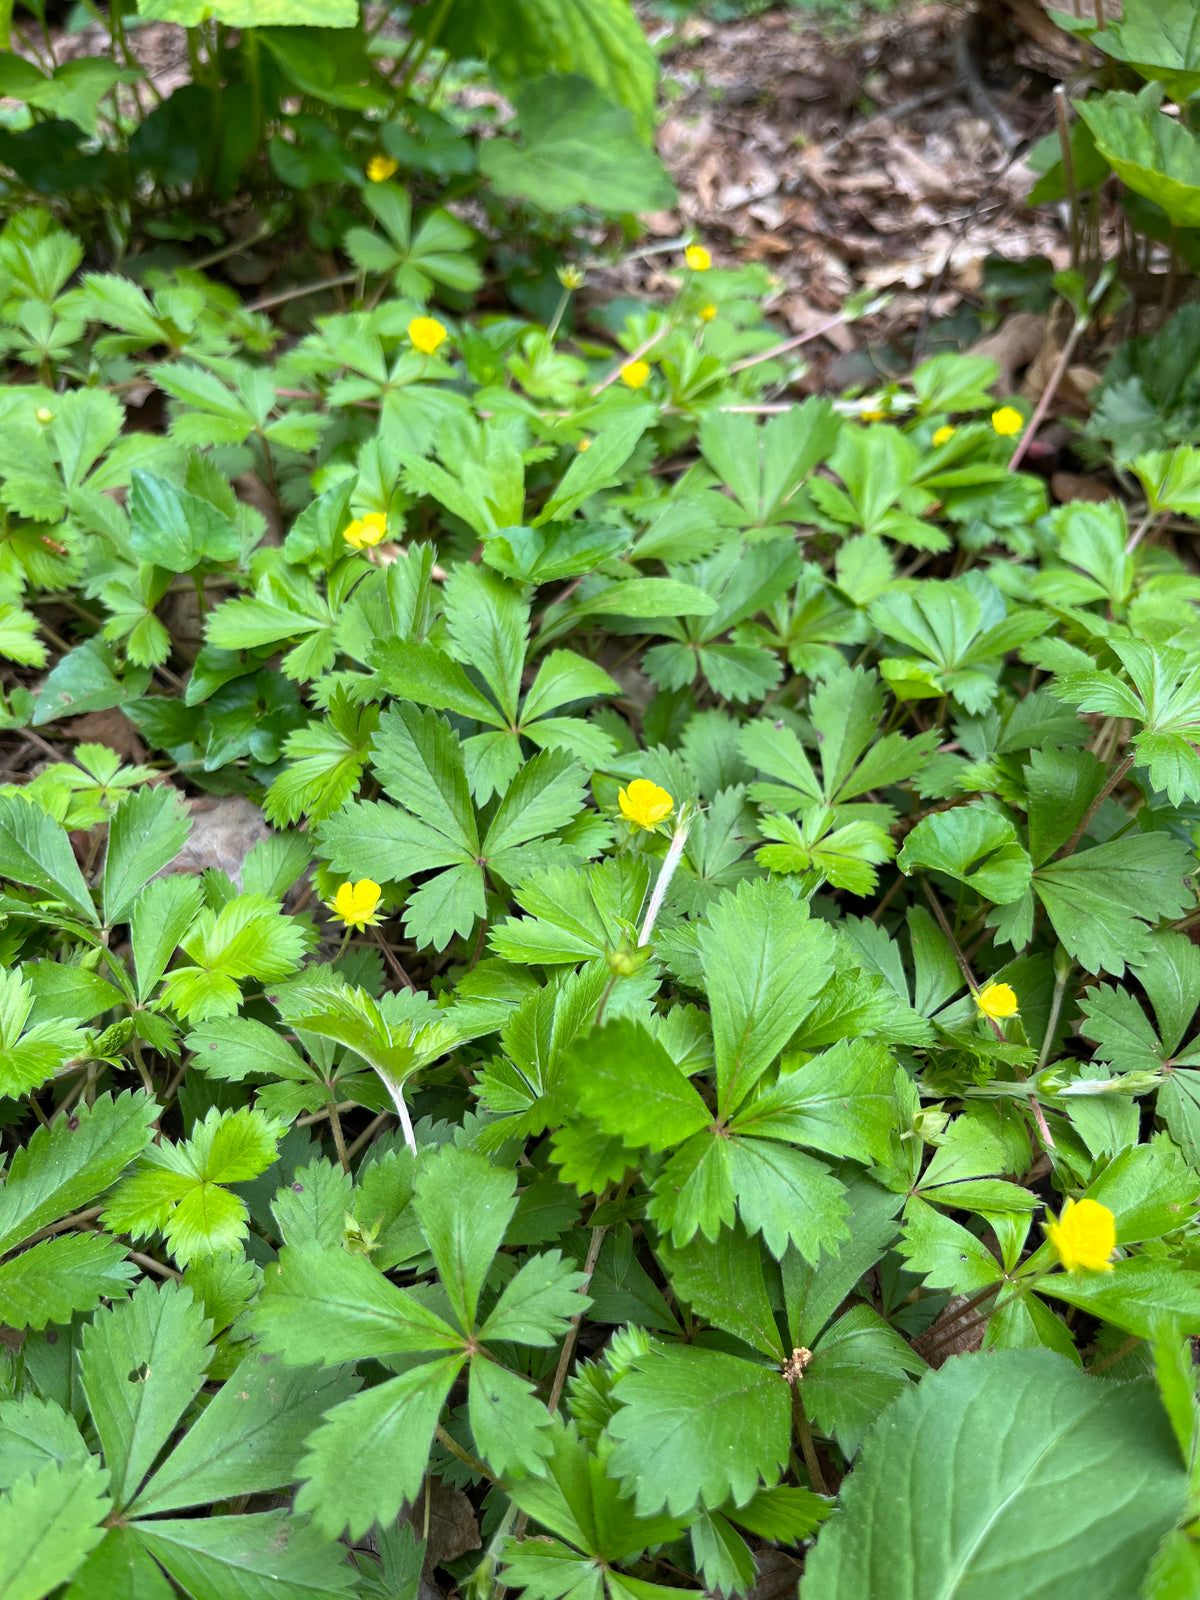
944	435
1084	1236
365	532
427	334
874	416
355	903
635	374
1007	422
584	444
997	1000
44	414
707	313
697	258
381	168
645	804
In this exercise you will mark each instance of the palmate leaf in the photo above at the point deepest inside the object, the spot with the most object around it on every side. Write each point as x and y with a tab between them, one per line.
142	1364
58	1277
260	1556
697	1427
1020	1443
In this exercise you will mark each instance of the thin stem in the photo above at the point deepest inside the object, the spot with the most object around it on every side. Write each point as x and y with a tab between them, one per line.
1118	1354
151	1265
397	1096
1143	528
568	1349
1111	783
1056	1005
1048	393
804	1434
339	1142
1068	163
391	958
455	1449
270	300
368	1133
806	337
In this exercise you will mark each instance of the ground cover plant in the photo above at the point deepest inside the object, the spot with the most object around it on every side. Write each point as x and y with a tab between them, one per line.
700	1078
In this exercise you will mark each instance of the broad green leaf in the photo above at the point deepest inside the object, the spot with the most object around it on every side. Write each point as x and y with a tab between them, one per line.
858	1365
35	851
513	1430
64	1167
464	1205
697	1427
247	1440
842	1102
625	1080
58	1277
974	846
142	1364
369	1455
147	832
537	1305
1021	1444
1149	151
765	962
257	1556
322	1305
174	529
1100	900
723	1281
48	1523
577	148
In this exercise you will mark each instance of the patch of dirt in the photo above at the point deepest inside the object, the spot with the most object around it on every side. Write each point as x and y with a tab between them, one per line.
889	158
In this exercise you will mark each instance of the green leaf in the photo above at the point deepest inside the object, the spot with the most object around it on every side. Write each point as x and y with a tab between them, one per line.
464	1205
625	1080
174	529
577	148
147	831
59	1277
858	1366
842	1102
976	847
247	1440
262	1556
34	1434
696	1427
522	40
120	1568
369	1455
1021	1443
723	1281
1159	41
1100	900
321	1305
536	1306
142	1364
86	680
48	1523
512	1428
63	1167
765	962
1150	152
162	914
35	851
1137	1295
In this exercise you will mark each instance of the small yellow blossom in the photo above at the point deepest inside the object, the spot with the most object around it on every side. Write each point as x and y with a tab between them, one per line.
944	435
355	903
874	416
1085	1235
584	444
697	258
366	532
44	414
644	803
381	168
707	313
1007	422
997	1000
636	374
570	277
427	334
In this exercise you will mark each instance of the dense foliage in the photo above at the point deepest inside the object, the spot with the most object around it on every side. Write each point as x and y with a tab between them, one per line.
722	946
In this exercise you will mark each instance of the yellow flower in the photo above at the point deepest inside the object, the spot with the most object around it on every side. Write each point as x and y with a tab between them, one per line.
644	803
355	903
44	414
944	435
707	313
697	258
426	333
584	444
380	168
366	532
997	1000
570	277
874	416
635	374
1007	422
1085	1235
